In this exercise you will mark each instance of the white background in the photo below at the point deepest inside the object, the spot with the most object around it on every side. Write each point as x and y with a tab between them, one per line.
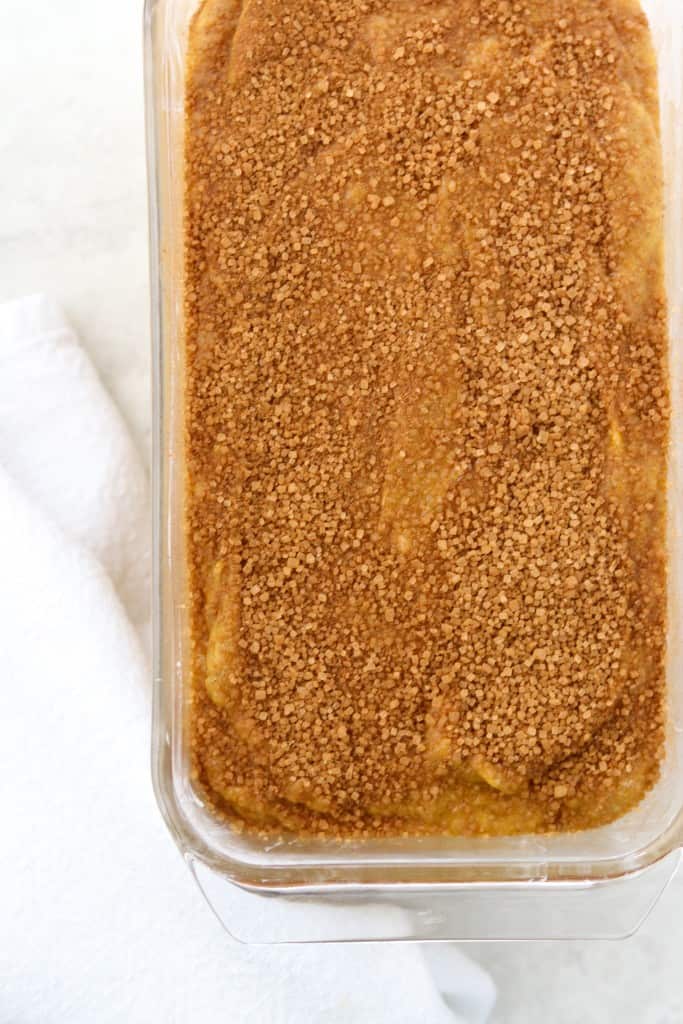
73	223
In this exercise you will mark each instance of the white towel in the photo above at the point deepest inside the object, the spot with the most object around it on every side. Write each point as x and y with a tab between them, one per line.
62	440
100	919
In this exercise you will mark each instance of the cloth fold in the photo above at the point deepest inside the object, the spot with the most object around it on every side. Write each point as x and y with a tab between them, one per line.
63	441
100	918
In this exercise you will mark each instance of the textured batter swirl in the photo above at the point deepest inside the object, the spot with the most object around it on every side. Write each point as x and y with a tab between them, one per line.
427	413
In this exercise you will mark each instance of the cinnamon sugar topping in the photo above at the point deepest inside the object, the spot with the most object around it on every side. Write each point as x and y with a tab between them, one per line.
427	413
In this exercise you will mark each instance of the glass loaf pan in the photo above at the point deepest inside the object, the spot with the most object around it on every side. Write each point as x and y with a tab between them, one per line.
597	883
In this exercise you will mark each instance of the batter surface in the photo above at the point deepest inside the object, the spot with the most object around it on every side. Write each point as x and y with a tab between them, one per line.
427	414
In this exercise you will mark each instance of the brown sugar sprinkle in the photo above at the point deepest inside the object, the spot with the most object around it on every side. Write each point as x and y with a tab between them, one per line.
427	414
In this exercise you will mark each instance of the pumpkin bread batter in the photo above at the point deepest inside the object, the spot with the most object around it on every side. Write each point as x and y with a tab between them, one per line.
427	414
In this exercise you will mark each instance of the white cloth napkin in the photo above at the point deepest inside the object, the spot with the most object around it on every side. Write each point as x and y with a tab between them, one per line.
99	918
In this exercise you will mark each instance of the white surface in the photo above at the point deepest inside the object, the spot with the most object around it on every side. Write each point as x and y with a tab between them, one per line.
73	221
97	921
